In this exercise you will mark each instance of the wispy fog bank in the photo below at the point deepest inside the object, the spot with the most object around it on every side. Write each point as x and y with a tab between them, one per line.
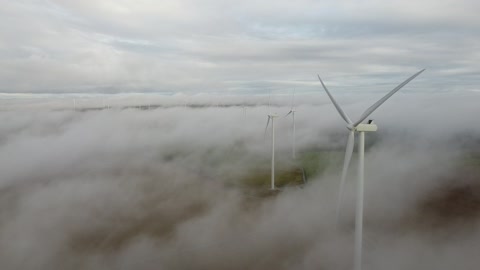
160	187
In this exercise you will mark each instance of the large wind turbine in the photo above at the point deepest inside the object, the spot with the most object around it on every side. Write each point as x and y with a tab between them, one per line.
361	128
271	116
292	112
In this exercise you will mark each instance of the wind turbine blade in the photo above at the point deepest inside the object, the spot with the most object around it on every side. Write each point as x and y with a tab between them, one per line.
346	163
339	109
288	113
265	133
387	96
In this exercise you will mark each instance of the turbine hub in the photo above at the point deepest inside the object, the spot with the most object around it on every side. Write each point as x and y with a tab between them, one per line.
350	127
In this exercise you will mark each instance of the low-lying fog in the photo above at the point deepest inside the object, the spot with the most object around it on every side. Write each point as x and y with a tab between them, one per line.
159	188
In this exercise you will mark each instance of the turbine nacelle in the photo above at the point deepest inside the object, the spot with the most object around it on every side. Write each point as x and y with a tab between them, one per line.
366	128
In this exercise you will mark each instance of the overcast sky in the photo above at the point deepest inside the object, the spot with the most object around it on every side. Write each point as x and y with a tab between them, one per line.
245	47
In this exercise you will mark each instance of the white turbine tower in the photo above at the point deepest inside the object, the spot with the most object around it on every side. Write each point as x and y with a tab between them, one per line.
292	112
361	128
271	116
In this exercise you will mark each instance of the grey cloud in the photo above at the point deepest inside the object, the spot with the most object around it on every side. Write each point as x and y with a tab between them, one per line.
185	46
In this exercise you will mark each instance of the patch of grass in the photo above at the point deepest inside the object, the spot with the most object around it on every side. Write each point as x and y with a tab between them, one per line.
472	160
262	178
315	162
290	173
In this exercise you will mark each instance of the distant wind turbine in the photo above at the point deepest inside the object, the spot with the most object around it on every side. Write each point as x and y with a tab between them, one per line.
292	112
271	116
361	128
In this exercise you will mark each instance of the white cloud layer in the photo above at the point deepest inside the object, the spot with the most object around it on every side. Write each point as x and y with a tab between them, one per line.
160	188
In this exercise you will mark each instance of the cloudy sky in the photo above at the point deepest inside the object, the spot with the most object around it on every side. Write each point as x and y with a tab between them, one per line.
216	46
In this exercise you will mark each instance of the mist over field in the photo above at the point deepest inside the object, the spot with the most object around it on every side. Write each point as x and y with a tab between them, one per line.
160	184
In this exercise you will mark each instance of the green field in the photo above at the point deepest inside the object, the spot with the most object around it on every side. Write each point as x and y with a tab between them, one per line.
308	165
472	160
